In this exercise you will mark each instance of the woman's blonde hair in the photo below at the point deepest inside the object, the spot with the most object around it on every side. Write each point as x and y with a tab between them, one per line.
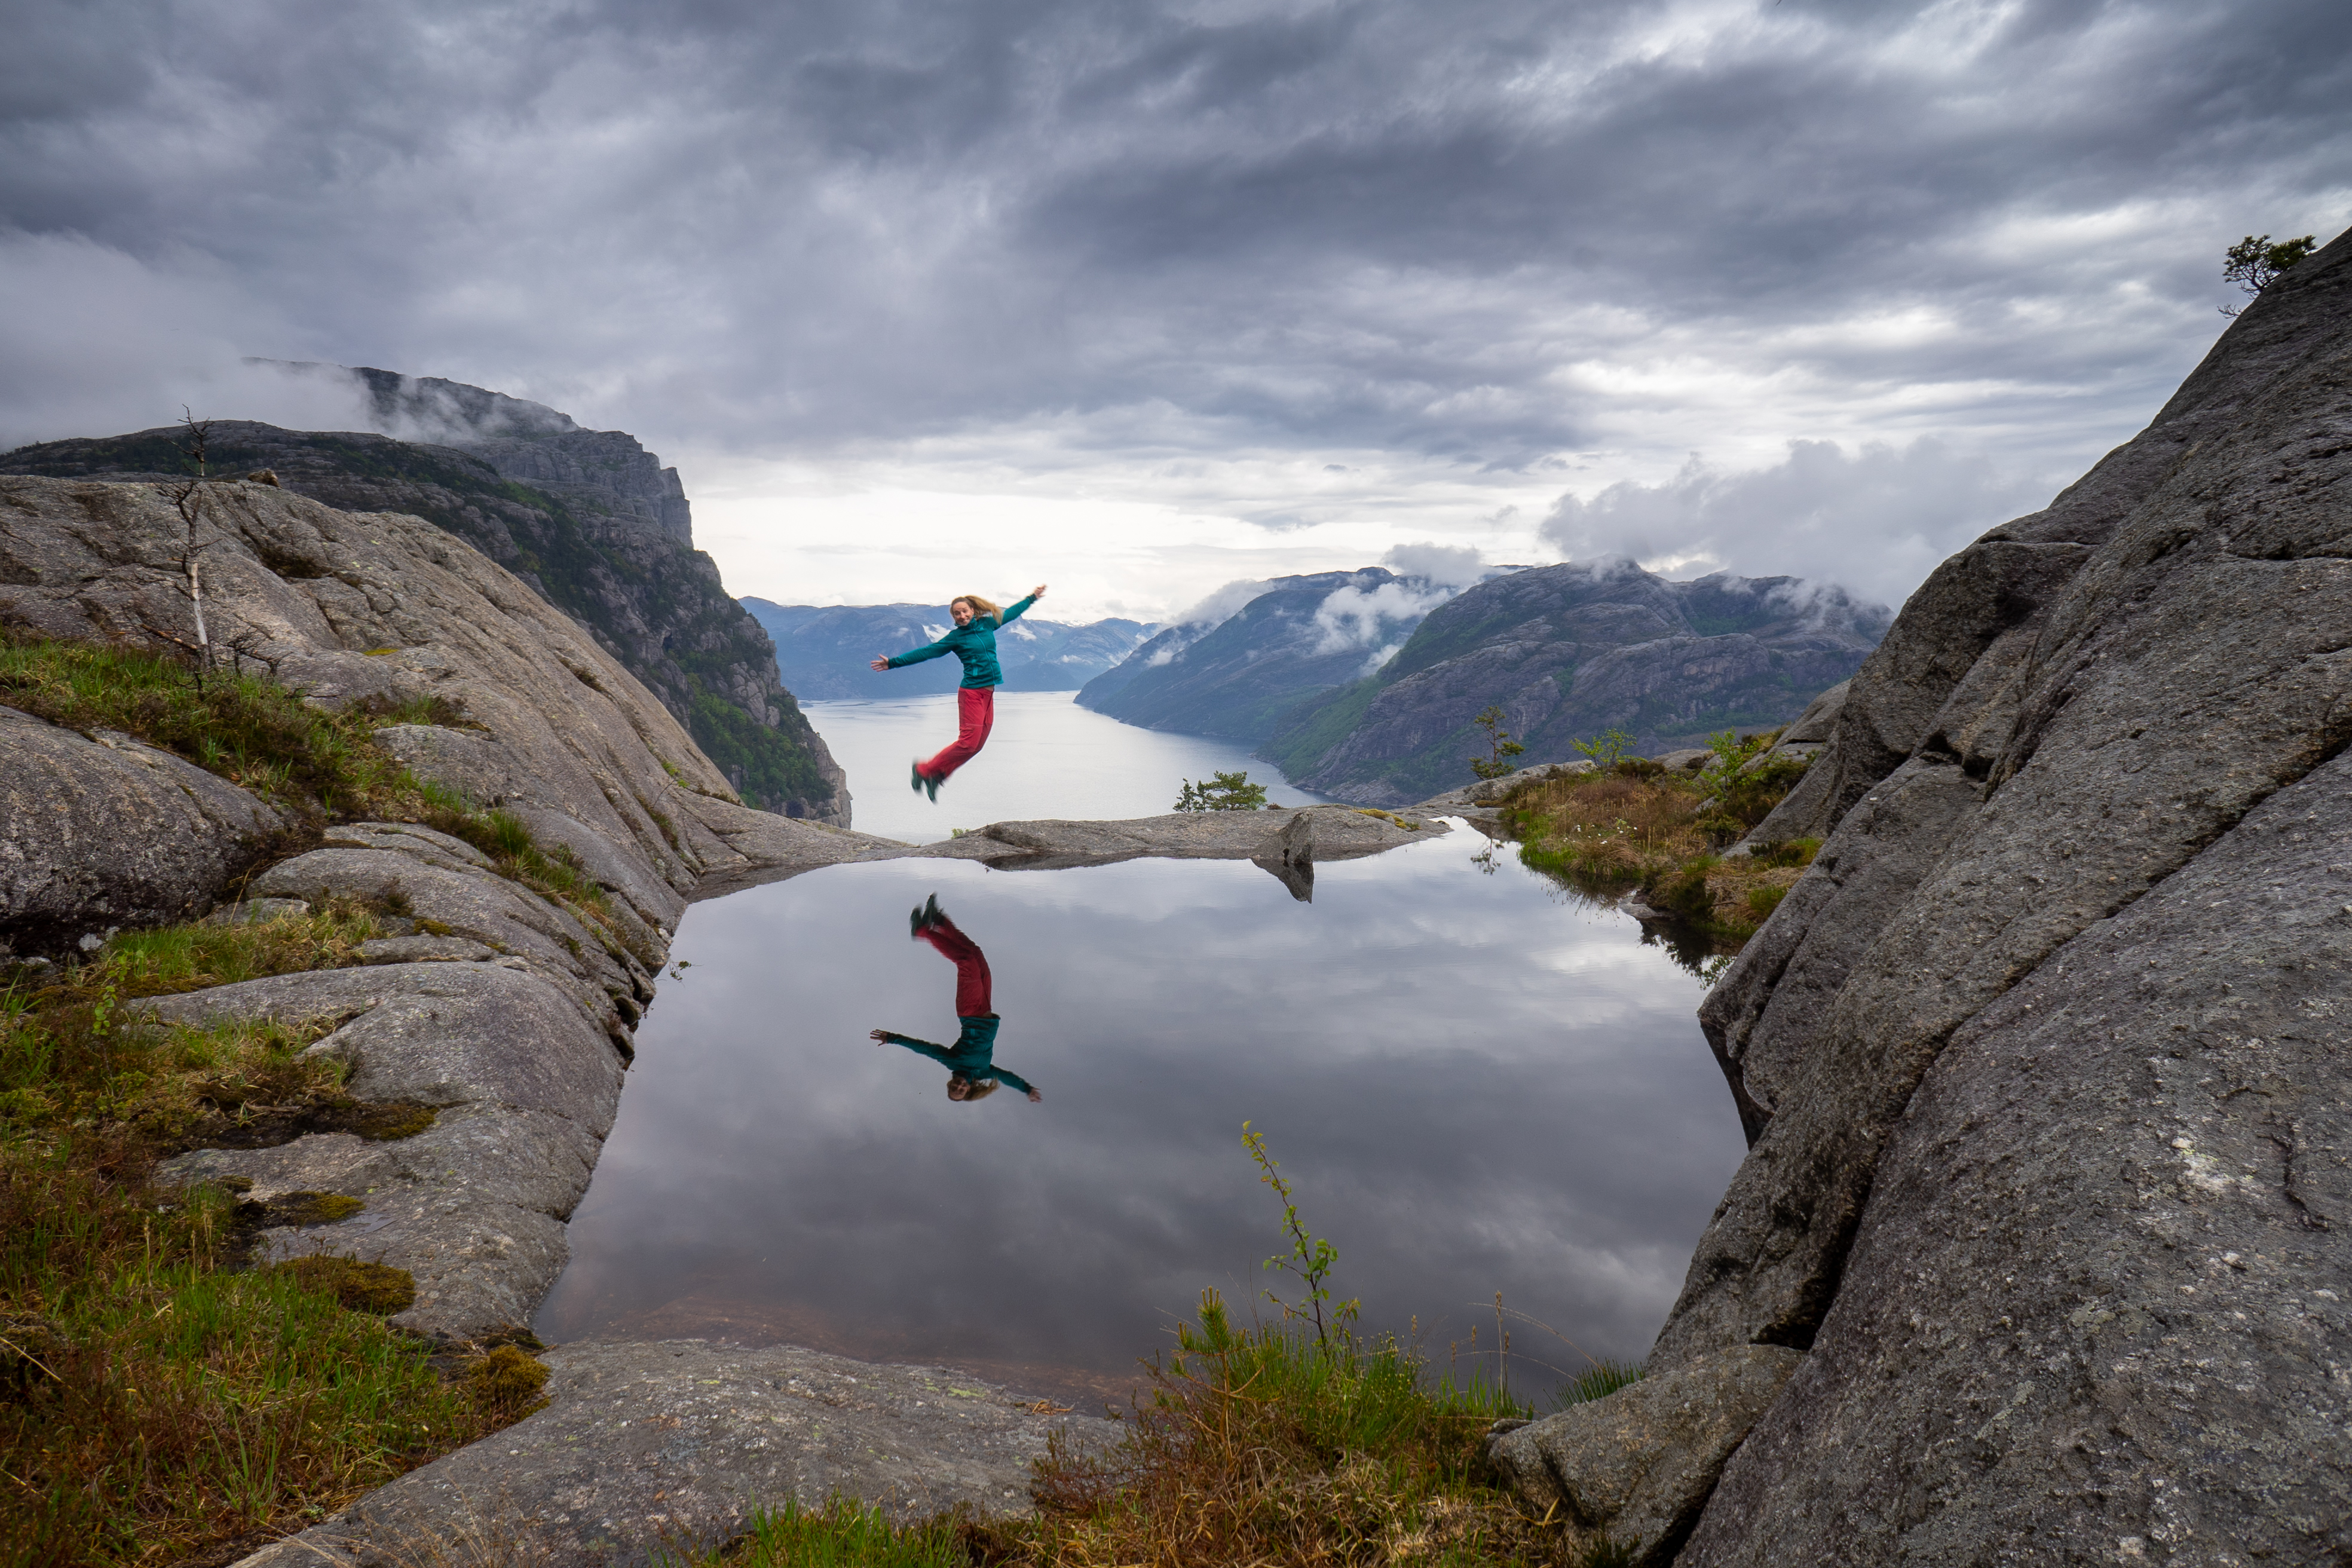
980	607
973	1089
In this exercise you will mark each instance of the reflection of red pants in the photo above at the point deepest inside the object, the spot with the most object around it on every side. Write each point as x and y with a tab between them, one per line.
972	968
975	716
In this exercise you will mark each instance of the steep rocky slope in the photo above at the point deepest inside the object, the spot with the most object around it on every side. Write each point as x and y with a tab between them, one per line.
2048	1218
589	519
1303	635
821	649
1567	652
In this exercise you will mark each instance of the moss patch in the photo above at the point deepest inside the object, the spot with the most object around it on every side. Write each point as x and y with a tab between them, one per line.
373	1287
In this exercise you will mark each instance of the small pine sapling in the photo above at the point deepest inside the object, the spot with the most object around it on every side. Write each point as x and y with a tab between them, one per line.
1500	748
1222	792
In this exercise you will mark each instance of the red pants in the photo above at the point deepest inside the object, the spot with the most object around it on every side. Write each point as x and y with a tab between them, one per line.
975	716
973	998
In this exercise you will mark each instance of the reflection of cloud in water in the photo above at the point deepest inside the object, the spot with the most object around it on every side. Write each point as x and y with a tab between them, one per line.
1473	1087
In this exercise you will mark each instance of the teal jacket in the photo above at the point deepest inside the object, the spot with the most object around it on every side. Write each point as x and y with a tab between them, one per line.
972	1054
974	644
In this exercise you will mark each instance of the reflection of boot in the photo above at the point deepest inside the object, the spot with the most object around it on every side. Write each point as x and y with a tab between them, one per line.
924	916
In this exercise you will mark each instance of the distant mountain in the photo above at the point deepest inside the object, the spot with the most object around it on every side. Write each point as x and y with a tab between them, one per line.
821	650
1235	677
588	518
1568	652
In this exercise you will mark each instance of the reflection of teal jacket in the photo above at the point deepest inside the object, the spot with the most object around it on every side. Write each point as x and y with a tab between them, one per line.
972	1054
975	644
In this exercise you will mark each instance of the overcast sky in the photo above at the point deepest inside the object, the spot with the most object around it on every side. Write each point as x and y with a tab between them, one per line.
1141	298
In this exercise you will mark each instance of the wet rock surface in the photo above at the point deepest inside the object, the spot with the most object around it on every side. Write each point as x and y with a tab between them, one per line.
68	870
648	1448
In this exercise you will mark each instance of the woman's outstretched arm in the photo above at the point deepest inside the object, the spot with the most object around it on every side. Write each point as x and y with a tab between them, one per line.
1012	612
914	655
920	1047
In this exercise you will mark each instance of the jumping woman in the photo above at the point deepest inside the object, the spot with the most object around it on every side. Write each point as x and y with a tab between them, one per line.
973	641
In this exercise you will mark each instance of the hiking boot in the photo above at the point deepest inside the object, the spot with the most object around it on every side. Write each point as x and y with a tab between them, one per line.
915	780
931	788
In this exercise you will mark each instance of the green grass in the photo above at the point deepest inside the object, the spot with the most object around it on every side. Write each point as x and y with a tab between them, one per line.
845	1533
195	956
153	1404
244	727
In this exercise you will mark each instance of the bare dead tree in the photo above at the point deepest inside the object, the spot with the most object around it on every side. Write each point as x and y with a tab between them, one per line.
188	498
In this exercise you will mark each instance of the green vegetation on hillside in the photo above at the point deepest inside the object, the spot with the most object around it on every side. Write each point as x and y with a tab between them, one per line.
246	728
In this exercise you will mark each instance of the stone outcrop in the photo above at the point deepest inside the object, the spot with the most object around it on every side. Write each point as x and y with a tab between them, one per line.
656	1452
2050	1044
1633	1469
67	869
606	545
1568	652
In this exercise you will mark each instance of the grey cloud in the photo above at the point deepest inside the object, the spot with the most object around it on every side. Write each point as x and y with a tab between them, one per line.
834	226
1875	521
1454	564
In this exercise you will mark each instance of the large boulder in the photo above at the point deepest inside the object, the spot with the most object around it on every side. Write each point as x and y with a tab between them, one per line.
69	870
2049	1036
1633	1469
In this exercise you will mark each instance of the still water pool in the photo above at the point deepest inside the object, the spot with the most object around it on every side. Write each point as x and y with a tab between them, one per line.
1475	1083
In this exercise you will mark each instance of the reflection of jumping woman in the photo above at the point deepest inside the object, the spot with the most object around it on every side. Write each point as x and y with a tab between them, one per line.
973	641
973	1072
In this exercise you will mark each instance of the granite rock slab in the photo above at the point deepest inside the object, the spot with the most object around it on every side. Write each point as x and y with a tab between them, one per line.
665	1448
68	870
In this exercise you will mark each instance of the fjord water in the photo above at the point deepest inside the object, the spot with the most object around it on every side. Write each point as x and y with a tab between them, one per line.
1475	1083
1047	757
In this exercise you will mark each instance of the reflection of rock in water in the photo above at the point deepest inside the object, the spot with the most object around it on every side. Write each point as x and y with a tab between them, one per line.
1291	856
713	1310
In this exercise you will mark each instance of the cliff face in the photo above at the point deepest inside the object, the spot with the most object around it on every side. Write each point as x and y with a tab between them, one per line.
1568	652
2055	1190
821	649
1303	635
588	519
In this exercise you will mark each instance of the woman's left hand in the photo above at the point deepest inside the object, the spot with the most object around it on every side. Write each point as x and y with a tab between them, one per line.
1038	592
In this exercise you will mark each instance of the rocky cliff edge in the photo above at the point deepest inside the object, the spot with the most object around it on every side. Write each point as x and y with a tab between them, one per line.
2046	1222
